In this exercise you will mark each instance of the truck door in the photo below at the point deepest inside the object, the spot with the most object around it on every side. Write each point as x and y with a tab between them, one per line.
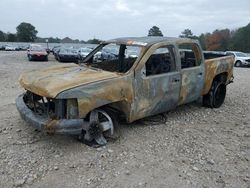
192	72
157	83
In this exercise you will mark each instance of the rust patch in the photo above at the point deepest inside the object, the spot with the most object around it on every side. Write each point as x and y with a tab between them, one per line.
217	66
51	126
51	81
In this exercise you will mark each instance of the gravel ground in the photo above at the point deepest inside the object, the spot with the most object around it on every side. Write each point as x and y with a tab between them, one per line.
191	146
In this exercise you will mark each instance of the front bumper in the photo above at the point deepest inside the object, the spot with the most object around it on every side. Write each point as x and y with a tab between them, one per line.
246	63
39	57
43	123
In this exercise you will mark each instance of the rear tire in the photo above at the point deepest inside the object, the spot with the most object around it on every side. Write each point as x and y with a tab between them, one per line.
237	64
216	96
29	57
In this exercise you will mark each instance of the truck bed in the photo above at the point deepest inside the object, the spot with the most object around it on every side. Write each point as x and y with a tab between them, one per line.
216	64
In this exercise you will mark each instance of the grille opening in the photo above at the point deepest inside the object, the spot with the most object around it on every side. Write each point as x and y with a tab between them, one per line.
45	106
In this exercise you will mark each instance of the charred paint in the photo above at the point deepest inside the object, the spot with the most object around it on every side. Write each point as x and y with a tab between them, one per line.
51	81
216	66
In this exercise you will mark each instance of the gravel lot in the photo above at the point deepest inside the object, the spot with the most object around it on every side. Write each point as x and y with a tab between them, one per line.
191	146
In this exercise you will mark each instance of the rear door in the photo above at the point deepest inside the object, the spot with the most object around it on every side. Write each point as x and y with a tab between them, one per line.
157	84
192	72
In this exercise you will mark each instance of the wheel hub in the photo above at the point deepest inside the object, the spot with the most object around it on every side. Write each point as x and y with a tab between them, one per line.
99	122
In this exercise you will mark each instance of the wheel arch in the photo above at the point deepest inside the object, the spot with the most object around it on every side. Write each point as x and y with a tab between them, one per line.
223	76
120	108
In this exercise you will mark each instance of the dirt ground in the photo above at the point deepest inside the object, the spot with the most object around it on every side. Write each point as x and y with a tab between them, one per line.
191	146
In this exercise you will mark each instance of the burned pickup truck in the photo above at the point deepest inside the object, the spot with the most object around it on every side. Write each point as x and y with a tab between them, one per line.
88	98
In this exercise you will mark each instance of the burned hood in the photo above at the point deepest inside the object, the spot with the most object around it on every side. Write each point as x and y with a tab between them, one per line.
51	81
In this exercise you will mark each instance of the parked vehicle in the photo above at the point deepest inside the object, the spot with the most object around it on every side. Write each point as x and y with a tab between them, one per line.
23	47
55	51
106	54
2	47
89	99
10	48
240	59
83	52
67	55
37	52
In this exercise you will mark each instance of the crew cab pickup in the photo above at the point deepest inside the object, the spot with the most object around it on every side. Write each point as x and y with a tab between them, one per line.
88	98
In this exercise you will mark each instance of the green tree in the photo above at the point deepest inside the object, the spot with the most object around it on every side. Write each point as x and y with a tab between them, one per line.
94	41
54	40
187	33
2	37
155	31
26	32
202	40
241	39
11	37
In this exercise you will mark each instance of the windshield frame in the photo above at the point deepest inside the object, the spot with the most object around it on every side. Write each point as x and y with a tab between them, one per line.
85	61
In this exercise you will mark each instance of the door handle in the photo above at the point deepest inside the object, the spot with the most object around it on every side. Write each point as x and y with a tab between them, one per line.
175	80
200	74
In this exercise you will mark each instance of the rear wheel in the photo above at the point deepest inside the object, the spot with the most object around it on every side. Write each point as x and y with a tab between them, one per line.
238	64
216	96
29	57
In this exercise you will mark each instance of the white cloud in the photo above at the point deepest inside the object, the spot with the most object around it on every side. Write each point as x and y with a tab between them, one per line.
114	18
121	6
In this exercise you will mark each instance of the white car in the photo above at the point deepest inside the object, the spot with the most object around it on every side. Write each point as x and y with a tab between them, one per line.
10	48
241	59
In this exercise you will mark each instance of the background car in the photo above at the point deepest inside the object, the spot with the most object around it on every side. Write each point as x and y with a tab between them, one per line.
37	52
2	47
67	55
55	51
241	59
105	54
10	48
23	47
83	52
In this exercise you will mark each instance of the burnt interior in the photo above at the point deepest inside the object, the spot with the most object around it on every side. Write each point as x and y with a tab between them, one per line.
159	64
188	58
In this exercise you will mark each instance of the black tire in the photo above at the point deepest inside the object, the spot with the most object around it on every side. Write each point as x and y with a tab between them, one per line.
29	57
46	58
216	96
237	64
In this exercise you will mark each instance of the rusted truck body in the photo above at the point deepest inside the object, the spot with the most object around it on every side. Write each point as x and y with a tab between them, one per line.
87	99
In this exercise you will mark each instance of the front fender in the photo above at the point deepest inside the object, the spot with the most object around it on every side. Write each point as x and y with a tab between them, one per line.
98	94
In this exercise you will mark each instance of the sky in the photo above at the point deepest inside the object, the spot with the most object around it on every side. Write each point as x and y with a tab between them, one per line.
107	19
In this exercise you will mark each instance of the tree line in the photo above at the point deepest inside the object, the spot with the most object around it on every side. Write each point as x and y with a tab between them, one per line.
218	40
25	32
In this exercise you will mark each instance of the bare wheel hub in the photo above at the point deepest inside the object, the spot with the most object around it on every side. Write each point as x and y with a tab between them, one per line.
99	122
